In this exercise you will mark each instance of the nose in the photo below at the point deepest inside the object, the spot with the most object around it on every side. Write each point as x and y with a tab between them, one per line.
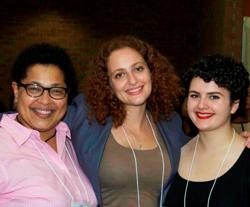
45	97
202	103
132	79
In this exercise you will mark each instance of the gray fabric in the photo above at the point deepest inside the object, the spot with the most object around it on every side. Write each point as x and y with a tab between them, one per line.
118	171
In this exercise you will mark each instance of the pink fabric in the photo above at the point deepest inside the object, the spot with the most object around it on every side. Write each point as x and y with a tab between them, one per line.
25	178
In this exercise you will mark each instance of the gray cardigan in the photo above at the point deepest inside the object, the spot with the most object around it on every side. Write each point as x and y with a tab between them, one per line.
89	140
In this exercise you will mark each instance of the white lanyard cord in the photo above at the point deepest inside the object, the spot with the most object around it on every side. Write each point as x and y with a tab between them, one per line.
162	159
136	165
217	174
82	184
136	168
53	170
55	173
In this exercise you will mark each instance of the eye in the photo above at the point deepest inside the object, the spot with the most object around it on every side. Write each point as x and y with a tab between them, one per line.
57	91
34	89
214	97
119	75
193	95
139	68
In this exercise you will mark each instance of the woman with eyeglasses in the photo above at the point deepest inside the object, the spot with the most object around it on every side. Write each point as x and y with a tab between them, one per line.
38	163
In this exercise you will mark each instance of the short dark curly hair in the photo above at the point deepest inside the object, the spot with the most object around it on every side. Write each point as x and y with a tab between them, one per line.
45	53
225	71
166	87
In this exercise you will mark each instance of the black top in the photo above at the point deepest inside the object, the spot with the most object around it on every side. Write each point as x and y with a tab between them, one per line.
231	189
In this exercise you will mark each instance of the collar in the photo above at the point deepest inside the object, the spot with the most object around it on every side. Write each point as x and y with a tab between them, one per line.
14	128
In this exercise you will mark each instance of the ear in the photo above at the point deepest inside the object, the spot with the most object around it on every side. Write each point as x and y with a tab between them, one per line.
235	106
15	89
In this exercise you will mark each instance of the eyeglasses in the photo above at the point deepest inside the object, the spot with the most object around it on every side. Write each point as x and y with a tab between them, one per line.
35	90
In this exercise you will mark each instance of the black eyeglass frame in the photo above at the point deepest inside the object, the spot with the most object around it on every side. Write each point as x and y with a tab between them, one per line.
25	86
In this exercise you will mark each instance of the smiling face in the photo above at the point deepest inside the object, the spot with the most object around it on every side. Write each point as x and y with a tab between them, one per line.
129	76
42	113
208	105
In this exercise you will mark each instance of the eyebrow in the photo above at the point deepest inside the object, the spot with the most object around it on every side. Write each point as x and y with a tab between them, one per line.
50	86
133	65
209	93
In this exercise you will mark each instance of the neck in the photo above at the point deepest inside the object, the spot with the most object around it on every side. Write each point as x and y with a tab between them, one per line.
47	139
215	139
45	136
135	117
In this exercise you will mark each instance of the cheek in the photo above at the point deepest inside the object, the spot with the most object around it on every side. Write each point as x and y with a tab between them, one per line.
189	106
62	107
23	101
116	86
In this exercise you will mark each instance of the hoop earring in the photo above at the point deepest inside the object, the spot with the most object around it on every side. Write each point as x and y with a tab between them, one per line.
114	101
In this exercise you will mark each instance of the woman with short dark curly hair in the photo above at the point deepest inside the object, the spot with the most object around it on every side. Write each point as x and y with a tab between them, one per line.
215	164
39	166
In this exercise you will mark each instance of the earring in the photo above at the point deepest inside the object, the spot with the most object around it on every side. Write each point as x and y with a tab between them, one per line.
113	102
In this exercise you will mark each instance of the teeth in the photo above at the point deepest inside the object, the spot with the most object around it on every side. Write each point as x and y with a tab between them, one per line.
134	90
204	114
41	111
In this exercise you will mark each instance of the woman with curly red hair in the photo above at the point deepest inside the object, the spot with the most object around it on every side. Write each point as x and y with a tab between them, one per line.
126	133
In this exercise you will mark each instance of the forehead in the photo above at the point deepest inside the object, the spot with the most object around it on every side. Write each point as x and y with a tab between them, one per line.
44	72
199	85
124	57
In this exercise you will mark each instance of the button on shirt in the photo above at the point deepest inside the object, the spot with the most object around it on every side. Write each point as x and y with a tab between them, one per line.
26	180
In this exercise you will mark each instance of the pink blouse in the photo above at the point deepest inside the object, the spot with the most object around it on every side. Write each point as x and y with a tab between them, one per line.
33	174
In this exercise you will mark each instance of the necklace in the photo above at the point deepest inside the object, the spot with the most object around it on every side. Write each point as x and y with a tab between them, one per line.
217	174
46	140
137	145
125	131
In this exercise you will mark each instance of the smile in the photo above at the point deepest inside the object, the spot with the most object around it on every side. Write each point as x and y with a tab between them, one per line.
134	91
202	115
43	112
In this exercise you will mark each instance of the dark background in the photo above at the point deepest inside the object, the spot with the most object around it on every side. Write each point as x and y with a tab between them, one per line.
182	30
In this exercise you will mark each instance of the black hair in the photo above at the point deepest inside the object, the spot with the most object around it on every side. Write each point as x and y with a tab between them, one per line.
224	71
45	53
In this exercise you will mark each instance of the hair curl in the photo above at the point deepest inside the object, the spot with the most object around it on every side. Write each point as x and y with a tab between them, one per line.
45	53
166	87
224	71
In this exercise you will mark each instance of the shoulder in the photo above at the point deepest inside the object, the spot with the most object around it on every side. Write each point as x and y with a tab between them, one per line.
174	121
77	111
173	128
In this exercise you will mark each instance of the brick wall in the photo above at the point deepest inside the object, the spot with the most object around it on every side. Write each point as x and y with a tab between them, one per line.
246	8
24	28
232	30
182	30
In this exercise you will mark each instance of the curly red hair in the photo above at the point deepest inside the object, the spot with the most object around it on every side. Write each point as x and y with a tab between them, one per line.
166	88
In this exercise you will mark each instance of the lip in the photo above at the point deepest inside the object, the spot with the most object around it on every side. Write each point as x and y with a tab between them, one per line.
42	113
203	115
134	91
